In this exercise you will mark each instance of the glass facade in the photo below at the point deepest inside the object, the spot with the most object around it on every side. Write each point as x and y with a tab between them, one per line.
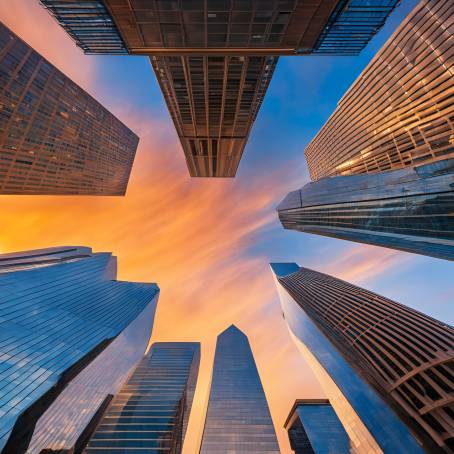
408	209
214	59
63	319
89	24
54	137
399	111
314	428
386	368
352	25
238	419
213	102
150	413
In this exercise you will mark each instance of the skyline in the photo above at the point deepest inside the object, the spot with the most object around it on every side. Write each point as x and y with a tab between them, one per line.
185	225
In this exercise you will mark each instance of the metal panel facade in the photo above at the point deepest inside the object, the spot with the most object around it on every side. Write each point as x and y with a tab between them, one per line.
400	110
213	102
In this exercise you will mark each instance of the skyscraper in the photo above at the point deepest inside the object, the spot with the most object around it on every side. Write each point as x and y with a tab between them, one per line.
408	209
150	413
399	110
54	137
314	428
69	336
386	368
214	59
238	419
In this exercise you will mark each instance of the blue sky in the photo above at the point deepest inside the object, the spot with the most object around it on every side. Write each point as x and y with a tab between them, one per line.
208	243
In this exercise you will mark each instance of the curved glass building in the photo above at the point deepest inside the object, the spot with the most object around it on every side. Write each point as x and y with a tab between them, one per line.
386	368
238	419
409	209
69	336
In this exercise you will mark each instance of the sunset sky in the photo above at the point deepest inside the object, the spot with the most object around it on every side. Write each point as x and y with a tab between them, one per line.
207	242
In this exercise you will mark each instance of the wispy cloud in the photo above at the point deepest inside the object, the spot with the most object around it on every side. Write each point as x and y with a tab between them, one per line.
360	263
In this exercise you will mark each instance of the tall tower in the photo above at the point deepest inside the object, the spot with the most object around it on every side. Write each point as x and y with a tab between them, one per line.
214	59
238	419
70	335
151	411
386	368
54	137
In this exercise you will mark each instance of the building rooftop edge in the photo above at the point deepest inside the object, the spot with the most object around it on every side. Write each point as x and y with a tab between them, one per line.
299	402
281	269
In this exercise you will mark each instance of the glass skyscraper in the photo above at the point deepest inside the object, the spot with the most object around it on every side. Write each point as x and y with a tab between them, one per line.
399	110
150	413
314	428
69	336
238	419
54	137
387	369
408	209
214	59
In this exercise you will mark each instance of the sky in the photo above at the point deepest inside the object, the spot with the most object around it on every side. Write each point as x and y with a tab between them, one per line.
208	242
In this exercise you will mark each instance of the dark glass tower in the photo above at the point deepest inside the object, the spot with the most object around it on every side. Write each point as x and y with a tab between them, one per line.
408	209
314	428
150	413
387	369
69	336
54	137
238	419
214	59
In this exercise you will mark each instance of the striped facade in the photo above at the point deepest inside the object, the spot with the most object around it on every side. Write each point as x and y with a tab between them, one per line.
150	413
406	357
213	102
400	110
63	319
